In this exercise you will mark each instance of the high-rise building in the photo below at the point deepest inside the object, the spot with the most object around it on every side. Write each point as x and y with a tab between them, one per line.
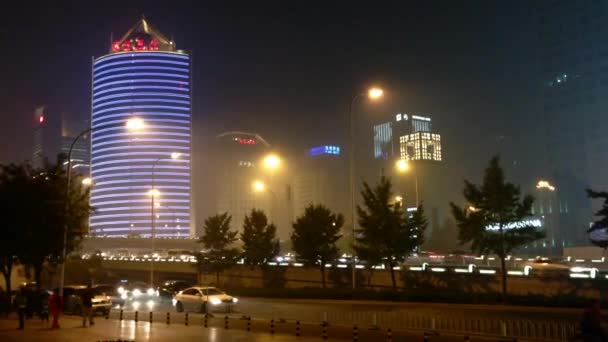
574	82
141	118
54	133
320	180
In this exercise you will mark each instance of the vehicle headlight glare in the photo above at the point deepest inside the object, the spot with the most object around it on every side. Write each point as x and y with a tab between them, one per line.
215	301
136	293
234	300
121	290
150	292
123	296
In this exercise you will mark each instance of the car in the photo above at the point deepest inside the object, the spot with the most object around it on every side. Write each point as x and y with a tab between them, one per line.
137	290
203	299
171	287
110	291
102	303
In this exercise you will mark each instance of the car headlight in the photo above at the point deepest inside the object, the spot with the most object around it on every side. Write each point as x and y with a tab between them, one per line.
215	301
234	300
136	293
121	290
123	296
150	292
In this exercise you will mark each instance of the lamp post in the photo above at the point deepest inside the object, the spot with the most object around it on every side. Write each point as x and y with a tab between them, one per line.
373	93
403	166
67	207
153	194
271	163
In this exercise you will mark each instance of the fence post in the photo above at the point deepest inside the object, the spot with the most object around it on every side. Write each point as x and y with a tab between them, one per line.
433	323
226	322
136	316
151	320
168	318
324	325
205	321
186	319
248	323
297	328
120	316
272	326
503	328
389	335
355	333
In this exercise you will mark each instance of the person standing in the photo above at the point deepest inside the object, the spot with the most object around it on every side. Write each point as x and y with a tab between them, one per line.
44	307
56	305
87	306
21	305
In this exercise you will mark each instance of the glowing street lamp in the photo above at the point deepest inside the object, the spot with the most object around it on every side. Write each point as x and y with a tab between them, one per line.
87	181
272	161
259	186
154	192
135	124
375	93
543	184
175	155
402	165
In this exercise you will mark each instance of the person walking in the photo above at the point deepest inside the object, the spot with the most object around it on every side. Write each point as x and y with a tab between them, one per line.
56	305
44	307
87	306
21	305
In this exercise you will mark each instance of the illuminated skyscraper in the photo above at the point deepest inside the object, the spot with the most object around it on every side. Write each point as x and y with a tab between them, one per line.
145	81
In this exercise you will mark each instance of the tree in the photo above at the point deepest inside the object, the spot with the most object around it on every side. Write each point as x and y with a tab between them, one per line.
387	234
218	240
597	230
314	236
260	244
493	220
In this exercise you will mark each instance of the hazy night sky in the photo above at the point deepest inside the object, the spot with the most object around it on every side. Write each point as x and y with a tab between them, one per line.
288	72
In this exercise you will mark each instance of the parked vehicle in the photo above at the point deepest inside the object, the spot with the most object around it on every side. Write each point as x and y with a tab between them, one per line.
203	299
72	303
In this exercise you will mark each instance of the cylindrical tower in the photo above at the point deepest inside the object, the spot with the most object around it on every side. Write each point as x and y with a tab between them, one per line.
141	138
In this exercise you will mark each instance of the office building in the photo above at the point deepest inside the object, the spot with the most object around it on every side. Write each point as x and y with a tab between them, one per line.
141	137
408	137
320	180
54	133
574	83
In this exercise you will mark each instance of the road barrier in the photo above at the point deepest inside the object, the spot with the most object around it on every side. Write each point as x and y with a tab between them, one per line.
386	323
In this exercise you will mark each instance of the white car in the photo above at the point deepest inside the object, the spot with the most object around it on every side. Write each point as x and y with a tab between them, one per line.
202	299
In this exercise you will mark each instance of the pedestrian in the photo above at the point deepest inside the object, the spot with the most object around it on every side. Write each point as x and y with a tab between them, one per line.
44	307
21	305
591	323
56	305
87	306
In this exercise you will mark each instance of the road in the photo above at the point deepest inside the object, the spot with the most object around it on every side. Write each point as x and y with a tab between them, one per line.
112	329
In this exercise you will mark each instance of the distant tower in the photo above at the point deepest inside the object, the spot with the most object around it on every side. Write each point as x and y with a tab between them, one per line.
142	79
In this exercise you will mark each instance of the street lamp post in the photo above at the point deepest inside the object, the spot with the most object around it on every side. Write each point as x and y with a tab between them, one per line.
153	194
67	207
403	166
373	93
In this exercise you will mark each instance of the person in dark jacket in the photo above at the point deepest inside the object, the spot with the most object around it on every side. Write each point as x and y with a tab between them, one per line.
21	305
87	306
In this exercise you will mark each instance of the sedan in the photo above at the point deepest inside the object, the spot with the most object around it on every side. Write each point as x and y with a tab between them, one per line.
203	299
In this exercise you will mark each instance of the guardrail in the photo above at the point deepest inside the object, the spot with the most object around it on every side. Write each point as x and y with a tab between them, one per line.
389	322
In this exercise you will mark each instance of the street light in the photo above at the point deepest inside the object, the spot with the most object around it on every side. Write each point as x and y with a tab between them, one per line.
403	166
68	177
87	181
373	93
272	161
154	193
543	184
259	186
135	124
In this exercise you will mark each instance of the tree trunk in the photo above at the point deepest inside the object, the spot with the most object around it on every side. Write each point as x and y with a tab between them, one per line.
393	277
323	274
7	271
503	268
